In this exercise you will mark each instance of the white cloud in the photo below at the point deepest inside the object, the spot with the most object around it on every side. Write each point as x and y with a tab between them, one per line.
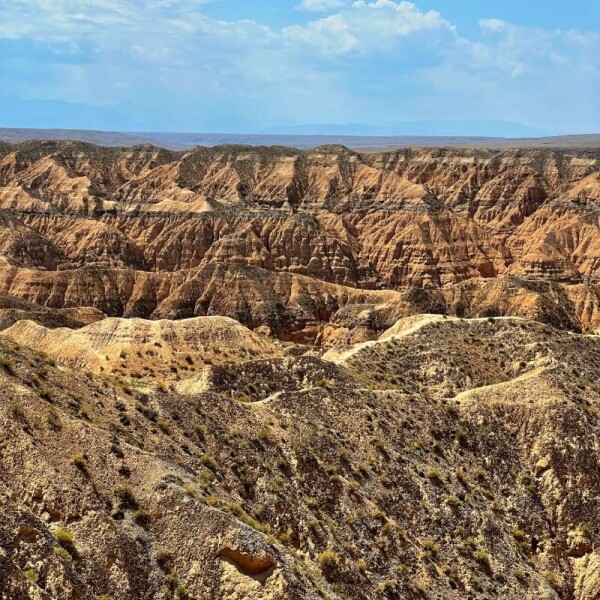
371	57
330	35
320	5
365	26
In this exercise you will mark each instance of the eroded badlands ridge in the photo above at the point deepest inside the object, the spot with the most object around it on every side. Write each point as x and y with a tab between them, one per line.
449	458
298	240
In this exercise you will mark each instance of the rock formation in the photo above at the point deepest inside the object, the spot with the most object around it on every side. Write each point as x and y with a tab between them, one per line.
284	238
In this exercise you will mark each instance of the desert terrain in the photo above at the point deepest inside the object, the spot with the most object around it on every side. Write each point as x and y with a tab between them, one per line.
269	373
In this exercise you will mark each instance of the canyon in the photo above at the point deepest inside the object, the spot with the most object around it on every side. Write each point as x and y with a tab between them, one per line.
266	373
297	240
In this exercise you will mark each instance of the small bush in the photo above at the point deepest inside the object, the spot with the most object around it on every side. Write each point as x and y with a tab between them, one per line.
63	553
81	464
32	575
200	431
7	363
463	438
430	548
434	475
164	427
164	558
126	496
553	579
452	502
142	517
64	536
16	412
482	557
460	475
480	474
361	565
328	559
264	434
209	462
181	592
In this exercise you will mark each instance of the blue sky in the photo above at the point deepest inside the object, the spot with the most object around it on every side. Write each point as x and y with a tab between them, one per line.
382	66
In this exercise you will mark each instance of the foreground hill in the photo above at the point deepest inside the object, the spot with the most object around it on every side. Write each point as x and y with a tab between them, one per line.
298	240
145	350
447	459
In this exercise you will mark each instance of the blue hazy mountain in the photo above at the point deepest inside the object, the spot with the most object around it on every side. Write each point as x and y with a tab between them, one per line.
487	128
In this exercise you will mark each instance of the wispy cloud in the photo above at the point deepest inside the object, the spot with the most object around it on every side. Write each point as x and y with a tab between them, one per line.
320	5
366	60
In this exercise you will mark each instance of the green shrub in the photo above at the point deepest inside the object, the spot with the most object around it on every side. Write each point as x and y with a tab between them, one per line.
16	412
164	558
460	475
264	434
126	496
200	431
164	426
361	565
430	548
142	517
80	463
7	363
64	536
479	474
553	579
482	557
181	592
328	559
434	475
209	462
63	553
452	502
32	575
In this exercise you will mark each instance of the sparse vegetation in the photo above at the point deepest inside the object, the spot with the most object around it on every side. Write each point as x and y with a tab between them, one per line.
328	559
8	364
81	463
142	517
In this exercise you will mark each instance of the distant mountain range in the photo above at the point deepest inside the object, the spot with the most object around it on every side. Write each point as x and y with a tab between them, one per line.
365	143
435	128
